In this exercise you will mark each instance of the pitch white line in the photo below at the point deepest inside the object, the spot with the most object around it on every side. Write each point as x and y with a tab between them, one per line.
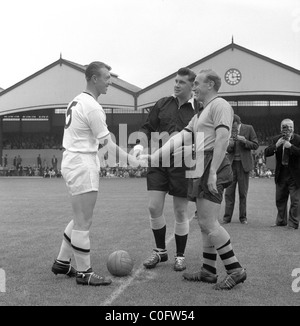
124	285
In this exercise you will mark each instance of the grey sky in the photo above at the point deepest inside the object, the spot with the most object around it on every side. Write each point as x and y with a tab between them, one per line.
143	40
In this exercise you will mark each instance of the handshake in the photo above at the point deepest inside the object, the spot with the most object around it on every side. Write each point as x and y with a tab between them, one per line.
139	156
138	150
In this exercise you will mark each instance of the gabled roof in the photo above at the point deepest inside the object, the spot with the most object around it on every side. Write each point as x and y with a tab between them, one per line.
116	81
231	46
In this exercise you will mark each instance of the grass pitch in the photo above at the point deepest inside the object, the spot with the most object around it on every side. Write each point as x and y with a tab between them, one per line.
34	213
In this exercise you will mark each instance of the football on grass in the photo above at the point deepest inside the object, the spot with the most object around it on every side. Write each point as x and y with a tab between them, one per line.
119	263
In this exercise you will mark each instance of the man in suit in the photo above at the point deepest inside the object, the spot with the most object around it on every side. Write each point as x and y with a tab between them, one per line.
242	141
286	148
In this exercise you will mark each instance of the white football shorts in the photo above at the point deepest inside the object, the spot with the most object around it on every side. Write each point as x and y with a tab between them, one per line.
80	172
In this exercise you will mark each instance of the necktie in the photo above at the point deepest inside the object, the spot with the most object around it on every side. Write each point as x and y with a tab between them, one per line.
285	156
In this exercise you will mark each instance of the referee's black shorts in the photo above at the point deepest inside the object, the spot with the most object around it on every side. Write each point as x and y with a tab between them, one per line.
168	179
197	188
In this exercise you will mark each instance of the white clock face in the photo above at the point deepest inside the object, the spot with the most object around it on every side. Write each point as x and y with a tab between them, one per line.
233	76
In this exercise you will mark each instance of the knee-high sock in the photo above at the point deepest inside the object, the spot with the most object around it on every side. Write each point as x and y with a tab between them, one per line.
158	226
66	251
181	234
209	254
221	240
81	248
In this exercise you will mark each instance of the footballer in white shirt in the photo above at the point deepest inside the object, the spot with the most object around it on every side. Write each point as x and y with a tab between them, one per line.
85	129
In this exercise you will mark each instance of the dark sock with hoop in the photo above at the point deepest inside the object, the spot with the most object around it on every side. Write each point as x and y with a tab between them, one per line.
160	237
181	241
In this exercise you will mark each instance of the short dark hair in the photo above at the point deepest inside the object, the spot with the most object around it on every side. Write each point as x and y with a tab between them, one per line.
187	72
93	69
237	119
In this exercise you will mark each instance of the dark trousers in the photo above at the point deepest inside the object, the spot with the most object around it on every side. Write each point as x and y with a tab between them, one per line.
285	188
241	178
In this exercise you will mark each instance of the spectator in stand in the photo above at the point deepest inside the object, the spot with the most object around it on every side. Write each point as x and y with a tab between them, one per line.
20	170
5	161
54	163
19	162
52	173
268	173
260	163
39	161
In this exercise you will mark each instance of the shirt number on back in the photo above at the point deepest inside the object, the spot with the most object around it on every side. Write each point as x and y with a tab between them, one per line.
69	114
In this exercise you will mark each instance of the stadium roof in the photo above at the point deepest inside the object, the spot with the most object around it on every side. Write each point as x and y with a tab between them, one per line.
125	86
56	84
53	86
232	46
260	77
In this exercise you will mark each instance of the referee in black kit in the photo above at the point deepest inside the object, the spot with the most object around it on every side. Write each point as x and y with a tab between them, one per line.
169	114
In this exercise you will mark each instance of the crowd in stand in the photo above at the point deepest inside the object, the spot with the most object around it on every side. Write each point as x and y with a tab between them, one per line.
260	169
48	141
123	172
264	134
42	169
18	169
32	141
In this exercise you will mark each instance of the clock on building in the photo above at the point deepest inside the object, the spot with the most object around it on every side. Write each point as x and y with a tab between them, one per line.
233	76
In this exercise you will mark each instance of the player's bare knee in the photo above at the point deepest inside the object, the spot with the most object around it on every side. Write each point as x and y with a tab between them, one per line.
181	214
155	211
207	226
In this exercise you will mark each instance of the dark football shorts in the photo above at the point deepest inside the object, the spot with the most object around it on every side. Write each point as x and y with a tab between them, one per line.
168	179
197	188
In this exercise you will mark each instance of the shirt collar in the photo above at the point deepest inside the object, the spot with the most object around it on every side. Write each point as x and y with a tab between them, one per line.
191	100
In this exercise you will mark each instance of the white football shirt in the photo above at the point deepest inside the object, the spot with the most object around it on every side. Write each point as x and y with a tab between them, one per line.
85	124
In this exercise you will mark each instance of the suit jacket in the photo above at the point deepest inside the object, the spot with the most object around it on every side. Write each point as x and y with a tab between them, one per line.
294	157
245	148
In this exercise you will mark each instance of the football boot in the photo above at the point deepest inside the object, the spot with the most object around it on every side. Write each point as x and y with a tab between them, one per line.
179	264
202	276
156	257
63	268
90	278
231	280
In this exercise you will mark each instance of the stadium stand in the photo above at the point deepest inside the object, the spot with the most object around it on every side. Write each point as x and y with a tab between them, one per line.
32	117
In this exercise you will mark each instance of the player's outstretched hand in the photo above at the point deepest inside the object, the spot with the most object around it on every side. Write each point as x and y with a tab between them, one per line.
186	150
138	150
136	161
146	158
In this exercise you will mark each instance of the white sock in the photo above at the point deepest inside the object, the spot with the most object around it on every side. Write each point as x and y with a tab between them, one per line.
66	250
81	248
